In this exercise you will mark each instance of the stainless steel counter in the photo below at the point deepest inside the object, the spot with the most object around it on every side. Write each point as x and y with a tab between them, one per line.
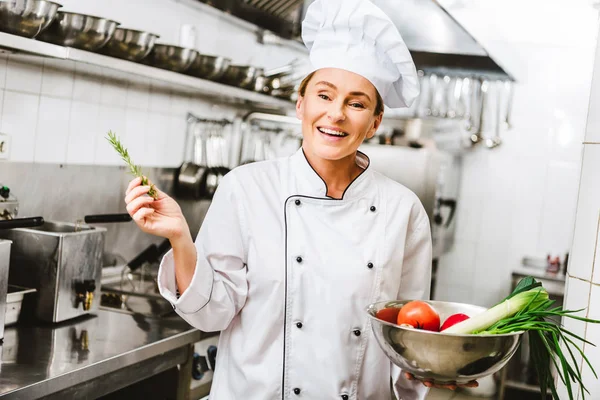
40	360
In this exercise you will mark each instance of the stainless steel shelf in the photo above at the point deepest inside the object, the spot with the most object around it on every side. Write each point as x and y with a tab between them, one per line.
216	91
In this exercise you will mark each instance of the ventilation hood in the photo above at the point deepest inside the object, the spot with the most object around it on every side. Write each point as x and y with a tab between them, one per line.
436	40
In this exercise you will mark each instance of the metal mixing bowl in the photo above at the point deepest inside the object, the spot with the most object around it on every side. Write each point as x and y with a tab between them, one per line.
27	17
130	44
209	67
81	31
174	58
243	76
443	357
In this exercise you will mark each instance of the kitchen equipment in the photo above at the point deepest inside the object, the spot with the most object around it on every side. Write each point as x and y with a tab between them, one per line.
209	67
439	356
243	76
81	31
9	206
14	302
193	177
6	315
173	58
130	44
27	17
216	149
63	261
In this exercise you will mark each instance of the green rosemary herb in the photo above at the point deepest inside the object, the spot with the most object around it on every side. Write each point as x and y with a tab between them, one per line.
134	169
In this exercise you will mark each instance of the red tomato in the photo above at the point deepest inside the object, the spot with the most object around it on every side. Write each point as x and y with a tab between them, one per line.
420	315
453	320
388	314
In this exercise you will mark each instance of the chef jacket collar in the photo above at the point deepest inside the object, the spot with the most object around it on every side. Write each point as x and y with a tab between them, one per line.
312	185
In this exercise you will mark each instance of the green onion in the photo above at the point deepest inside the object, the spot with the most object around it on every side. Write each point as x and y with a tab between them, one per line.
529	309
508	308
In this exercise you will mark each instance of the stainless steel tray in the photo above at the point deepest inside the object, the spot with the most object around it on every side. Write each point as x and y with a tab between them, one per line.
14	302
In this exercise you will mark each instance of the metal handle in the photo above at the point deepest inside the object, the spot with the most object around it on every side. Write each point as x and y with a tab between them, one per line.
22	223
106	218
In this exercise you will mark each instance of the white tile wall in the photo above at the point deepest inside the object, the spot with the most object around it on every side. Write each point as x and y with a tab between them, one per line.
24	74
52	130
19	119
3	70
59	111
593	352
588	208
593	126
58	78
82	133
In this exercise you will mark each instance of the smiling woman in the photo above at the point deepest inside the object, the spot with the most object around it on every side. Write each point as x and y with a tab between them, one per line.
293	250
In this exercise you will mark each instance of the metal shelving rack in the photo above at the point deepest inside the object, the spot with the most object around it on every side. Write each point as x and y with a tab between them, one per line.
216	91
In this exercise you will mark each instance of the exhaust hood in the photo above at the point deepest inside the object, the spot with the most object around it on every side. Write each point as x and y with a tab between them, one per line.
436	40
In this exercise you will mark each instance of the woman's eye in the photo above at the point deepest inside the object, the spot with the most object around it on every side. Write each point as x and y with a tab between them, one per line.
324	96
356	105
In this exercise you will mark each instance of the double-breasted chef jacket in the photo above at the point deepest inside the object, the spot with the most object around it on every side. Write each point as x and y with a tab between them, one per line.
286	273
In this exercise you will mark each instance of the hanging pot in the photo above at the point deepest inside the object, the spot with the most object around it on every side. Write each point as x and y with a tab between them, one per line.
190	178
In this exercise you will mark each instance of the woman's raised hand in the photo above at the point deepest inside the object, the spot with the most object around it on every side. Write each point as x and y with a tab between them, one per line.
161	216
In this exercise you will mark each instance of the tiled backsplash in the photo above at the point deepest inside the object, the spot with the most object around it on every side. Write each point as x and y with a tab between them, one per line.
59	111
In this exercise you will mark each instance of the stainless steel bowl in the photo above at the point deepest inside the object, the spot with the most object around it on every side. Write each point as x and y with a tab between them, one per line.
209	67
174	58
130	44
243	76
81	31
443	357
27	17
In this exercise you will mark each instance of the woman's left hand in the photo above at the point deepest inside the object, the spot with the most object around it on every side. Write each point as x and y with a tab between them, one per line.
449	386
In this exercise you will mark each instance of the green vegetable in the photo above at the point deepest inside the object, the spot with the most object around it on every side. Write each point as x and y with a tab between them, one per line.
529	309
134	169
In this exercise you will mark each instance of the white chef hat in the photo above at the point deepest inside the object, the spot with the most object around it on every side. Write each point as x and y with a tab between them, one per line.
357	36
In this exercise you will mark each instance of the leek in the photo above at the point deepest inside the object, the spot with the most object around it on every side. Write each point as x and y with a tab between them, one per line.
532	298
529	309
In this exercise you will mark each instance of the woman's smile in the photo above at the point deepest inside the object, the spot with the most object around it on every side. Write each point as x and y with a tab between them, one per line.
332	134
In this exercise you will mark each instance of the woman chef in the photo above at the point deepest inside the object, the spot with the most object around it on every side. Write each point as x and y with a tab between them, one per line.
292	250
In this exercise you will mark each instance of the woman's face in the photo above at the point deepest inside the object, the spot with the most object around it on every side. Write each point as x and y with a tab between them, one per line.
337	113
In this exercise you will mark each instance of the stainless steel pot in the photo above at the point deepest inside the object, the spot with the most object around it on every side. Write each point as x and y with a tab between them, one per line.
81	31
27	17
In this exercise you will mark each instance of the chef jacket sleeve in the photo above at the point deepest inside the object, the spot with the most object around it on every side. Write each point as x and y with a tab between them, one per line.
414	284
219	287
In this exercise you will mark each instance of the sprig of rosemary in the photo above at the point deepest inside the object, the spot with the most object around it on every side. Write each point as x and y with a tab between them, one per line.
134	169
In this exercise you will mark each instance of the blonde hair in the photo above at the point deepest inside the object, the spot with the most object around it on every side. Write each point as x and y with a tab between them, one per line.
302	91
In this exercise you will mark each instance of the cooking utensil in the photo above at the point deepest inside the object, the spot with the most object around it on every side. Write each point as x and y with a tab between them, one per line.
106	218
27	17
209	67
439	356
190	178
7	308
243	76
14	302
130	44
173	58
215	148
63	261
508	87
81	31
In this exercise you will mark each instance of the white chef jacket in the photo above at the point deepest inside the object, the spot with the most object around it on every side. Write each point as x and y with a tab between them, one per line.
286	274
